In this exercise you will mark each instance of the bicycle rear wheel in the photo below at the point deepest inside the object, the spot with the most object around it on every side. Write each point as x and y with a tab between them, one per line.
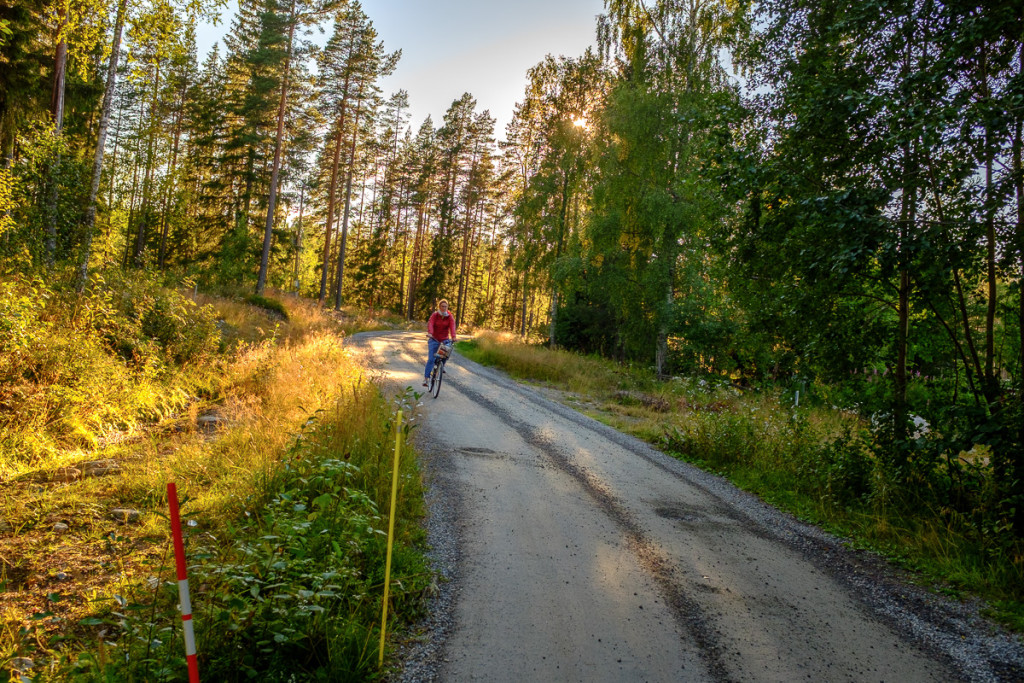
435	384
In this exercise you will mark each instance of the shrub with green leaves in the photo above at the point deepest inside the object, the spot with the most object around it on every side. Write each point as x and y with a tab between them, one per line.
52	184
21	325
841	471
7	203
137	312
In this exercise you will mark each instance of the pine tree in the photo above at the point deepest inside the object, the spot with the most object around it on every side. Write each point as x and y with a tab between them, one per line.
424	161
350	66
299	15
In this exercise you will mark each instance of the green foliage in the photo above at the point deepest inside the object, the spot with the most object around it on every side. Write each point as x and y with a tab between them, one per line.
7	202
74	367
236	259
870	184
21	303
440	265
140	319
370	283
587	327
656	203
47	199
296	594
840	472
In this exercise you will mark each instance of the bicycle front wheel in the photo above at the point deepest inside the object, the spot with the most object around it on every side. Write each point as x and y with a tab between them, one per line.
435	385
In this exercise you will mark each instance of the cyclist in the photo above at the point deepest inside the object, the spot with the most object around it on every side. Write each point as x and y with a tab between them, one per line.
440	327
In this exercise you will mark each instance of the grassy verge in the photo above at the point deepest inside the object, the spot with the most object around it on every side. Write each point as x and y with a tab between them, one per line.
817	462
281	450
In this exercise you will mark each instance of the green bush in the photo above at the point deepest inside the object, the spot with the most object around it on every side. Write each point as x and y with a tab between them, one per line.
145	323
586	327
841	471
50	190
21	324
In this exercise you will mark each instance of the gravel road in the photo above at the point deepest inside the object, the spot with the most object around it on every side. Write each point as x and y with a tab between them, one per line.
571	552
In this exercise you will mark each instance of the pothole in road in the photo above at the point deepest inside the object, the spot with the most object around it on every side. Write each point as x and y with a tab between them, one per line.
477	451
679	513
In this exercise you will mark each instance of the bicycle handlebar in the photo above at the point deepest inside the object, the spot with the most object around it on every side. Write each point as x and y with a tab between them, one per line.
446	342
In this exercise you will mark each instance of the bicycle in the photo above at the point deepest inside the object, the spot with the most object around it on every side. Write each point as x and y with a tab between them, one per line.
444	352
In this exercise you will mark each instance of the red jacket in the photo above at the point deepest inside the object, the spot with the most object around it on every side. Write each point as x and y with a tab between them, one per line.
439	326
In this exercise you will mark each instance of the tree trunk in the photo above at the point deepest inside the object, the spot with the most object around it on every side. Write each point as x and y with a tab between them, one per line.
404	236
113	164
131	204
268	229
417	251
348	206
60	71
990	382
509	308
490	297
670	252
908	216
332	192
563	219
1018	184
250	175
101	138
57	112
140	237
903	321
164	223
522	331
661	344
298	235
463	287
1017	464
476	271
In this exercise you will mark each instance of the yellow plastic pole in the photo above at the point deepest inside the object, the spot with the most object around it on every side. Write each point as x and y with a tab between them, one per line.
391	537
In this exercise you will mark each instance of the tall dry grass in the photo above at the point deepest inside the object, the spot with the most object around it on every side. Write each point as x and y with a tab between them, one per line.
570	371
274	383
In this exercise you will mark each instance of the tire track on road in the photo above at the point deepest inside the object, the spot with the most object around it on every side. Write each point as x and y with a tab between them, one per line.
685	610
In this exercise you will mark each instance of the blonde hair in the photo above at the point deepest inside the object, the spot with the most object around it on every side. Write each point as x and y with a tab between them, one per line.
443	301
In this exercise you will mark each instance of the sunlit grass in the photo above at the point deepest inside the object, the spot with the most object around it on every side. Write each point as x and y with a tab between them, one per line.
78	372
274	382
570	371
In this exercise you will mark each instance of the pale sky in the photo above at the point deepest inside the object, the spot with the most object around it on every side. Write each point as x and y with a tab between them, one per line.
483	47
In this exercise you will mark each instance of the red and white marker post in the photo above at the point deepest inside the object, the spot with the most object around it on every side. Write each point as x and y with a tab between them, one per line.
186	602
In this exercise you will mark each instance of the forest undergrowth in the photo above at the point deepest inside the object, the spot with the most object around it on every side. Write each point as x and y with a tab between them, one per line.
279	444
924	511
